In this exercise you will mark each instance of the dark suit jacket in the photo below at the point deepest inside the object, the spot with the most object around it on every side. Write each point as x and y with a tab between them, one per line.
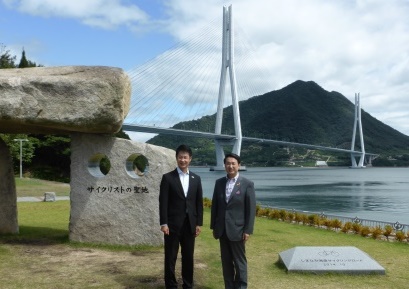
236	216
173	205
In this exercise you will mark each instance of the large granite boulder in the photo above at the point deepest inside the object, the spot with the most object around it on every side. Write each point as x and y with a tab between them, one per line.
8	205
119	206
51	100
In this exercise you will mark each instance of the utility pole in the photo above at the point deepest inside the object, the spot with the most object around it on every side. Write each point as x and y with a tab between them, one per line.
21	154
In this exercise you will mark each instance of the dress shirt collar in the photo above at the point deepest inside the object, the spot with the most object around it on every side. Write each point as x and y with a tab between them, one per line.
181	172
233	179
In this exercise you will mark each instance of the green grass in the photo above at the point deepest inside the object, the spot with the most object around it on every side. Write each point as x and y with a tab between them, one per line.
42	257
44	221
27	187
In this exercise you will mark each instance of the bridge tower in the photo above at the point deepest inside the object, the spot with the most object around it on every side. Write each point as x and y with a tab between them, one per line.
227	65
358	121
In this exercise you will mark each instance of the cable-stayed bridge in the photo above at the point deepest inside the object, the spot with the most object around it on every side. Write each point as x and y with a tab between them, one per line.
231	138
190	81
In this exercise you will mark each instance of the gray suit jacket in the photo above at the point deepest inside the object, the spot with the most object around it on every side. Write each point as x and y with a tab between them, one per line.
236	216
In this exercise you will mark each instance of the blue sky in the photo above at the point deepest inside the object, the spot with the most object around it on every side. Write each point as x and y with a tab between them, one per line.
57	36
347	46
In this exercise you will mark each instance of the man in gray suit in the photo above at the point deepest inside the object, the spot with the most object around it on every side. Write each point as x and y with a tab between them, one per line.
232	221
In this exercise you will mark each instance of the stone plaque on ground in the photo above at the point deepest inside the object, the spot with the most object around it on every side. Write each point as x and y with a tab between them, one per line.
49	197
344	260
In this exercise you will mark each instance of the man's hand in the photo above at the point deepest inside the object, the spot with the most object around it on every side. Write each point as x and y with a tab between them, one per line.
245	236
165	229
198	230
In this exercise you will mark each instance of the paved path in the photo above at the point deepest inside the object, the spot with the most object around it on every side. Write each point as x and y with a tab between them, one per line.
40	199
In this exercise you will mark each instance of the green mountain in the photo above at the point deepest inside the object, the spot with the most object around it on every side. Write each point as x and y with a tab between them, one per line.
301	112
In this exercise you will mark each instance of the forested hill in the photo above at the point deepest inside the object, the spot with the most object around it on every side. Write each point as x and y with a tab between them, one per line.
306	113
301	112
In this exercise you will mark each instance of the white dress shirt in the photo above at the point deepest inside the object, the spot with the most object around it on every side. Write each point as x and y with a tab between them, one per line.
184	179
230	185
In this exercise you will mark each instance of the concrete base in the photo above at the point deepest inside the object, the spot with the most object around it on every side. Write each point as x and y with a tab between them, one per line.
344	260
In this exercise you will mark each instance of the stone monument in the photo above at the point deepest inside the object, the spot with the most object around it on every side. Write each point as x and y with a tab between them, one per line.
49	100
8	205
120	206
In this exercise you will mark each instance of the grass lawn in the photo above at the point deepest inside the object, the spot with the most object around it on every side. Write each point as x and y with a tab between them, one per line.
27	187
42	257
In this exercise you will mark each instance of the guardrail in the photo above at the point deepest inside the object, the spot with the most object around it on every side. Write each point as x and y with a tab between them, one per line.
364	222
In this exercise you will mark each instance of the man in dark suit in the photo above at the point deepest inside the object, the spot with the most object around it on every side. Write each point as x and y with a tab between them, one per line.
181	216
232	221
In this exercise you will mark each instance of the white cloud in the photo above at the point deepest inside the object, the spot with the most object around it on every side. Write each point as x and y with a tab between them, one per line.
100	13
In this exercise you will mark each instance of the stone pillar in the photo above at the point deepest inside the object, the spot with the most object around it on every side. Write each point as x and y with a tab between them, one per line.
121	206
8	196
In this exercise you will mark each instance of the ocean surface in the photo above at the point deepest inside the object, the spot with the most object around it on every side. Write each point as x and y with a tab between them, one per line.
380	194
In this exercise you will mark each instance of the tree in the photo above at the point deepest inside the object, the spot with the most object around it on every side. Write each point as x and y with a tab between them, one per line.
122	134
29	147
6	60
14	147
24	62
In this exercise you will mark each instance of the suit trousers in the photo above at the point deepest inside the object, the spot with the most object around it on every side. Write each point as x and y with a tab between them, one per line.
186	240
234	263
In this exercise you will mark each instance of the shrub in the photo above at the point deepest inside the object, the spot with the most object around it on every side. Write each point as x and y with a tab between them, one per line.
274	214
299	217
258	208
400	236
314	220
327	223
290	216
305	219
283	215
347	227
336	224
376	232
356	227
387	231
264	212
207	203
365	231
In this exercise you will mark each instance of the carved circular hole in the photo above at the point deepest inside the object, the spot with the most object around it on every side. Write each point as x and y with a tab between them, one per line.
137	165
99	165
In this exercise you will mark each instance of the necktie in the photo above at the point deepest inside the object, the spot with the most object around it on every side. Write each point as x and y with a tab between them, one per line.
229	188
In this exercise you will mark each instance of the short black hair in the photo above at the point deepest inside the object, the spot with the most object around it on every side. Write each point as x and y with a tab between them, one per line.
184	148
232	155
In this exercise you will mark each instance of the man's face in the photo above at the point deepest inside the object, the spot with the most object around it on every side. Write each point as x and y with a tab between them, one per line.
231	166
183	160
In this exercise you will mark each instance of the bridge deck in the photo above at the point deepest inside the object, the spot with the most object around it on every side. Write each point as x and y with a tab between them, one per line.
209	135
